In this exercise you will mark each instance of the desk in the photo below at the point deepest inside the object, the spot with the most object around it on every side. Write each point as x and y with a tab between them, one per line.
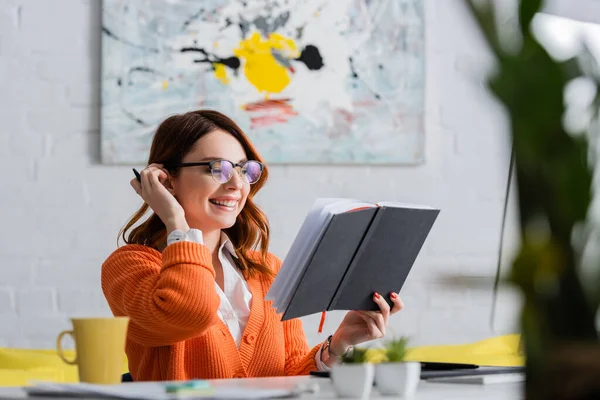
425	391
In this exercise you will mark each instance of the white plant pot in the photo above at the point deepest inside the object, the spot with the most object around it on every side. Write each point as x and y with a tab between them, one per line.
353	380
399	379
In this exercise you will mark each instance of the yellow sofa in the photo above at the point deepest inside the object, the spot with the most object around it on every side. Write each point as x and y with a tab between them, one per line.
500	351
18	367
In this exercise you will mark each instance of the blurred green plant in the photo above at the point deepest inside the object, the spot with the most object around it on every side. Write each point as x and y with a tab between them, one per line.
554	171
356	356
395	349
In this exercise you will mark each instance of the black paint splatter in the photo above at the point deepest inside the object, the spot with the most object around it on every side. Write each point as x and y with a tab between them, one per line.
192	18
231	62
132	116
352	69
143	69
109	33
356	77
198	49
228	23
311	57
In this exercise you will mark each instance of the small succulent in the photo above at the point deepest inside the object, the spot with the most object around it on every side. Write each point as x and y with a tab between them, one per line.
355	356
395	349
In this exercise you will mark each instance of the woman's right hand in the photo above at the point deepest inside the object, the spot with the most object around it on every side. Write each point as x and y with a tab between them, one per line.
152	189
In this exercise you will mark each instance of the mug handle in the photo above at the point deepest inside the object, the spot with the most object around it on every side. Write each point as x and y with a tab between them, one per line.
60	349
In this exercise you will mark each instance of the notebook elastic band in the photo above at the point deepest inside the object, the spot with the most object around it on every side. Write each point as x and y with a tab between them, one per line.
322	321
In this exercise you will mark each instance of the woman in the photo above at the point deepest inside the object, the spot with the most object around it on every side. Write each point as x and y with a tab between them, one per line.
189	278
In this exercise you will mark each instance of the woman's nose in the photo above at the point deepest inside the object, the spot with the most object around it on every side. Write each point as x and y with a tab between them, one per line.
236	180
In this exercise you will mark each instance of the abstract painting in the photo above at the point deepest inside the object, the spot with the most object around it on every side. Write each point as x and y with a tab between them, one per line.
310	81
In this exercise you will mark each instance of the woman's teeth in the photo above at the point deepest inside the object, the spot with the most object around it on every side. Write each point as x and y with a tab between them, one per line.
224	203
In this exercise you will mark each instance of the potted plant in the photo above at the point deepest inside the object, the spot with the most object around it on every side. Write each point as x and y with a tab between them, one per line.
555	171
393	375
353	377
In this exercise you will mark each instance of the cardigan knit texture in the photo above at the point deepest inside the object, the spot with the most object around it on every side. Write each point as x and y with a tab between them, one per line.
174	331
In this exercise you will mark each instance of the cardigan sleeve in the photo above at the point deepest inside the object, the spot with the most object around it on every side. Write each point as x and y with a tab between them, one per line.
168	298
299	358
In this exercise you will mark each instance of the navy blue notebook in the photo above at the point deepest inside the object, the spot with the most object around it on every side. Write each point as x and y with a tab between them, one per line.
357	253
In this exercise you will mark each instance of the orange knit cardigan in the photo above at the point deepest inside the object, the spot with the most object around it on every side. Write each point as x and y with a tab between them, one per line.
174	330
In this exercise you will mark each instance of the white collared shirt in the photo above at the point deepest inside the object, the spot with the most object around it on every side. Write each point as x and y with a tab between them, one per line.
236	298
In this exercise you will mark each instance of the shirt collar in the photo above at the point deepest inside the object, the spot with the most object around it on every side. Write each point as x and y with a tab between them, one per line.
226	243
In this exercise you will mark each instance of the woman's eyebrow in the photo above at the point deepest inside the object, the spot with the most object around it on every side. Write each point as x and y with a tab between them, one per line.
222	158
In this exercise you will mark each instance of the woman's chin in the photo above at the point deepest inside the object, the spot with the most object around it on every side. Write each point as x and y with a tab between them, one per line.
212	223
227	224
222	223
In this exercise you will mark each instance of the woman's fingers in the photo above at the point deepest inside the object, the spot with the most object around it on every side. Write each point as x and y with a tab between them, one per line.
398	303
164	176
159	176
152	175
144	176
377	319
373	330
137	186
384	307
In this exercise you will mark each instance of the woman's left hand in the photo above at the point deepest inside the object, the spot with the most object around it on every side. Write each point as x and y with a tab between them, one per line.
362	326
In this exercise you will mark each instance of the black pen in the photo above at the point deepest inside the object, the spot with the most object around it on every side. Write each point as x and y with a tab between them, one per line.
137	175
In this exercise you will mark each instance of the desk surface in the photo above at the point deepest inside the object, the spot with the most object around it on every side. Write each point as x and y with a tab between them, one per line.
425	391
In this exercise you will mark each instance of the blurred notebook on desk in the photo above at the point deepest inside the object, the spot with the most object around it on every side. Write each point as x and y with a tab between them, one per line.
158	391
345	251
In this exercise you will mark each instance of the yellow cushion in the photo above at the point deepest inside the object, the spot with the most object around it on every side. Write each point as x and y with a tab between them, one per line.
501	351
20	366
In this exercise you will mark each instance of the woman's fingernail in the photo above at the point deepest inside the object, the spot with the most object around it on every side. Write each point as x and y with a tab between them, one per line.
377	295
393	295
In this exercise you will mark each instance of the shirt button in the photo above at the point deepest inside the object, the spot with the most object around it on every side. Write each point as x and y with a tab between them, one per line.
238	376
250	338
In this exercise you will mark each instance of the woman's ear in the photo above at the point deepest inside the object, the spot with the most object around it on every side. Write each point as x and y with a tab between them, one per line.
170	187
168	182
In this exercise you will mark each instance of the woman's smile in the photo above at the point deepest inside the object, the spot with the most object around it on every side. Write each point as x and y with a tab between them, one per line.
225	203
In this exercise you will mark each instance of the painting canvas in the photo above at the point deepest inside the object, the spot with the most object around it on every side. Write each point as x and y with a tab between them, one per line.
310	81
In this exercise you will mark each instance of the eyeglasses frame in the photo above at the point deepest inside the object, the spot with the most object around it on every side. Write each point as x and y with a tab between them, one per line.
210	164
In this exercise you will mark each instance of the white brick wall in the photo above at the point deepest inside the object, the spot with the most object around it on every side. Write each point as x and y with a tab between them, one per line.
61	210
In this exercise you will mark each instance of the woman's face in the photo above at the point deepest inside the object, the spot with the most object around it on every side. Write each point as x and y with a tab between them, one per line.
210	205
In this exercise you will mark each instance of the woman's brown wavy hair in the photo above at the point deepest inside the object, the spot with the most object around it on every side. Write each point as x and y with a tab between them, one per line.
174	138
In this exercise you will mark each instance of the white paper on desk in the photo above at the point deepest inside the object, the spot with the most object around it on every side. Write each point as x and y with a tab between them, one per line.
481	379
149	390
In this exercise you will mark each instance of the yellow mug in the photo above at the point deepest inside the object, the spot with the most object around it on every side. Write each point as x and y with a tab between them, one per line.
99	348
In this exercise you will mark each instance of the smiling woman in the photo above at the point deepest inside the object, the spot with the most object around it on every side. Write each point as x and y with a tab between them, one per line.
193	137
192	277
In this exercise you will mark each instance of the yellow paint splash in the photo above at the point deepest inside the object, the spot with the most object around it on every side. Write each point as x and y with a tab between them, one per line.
260	67
221	73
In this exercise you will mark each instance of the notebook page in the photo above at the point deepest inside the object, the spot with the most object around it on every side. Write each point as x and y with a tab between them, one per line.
398	204
309	244
312	223
297	256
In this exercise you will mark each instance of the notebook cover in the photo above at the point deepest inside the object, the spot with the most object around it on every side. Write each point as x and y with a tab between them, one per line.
385	257
329	263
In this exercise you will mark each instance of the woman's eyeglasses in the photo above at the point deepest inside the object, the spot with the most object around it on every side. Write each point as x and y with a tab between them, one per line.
222	170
